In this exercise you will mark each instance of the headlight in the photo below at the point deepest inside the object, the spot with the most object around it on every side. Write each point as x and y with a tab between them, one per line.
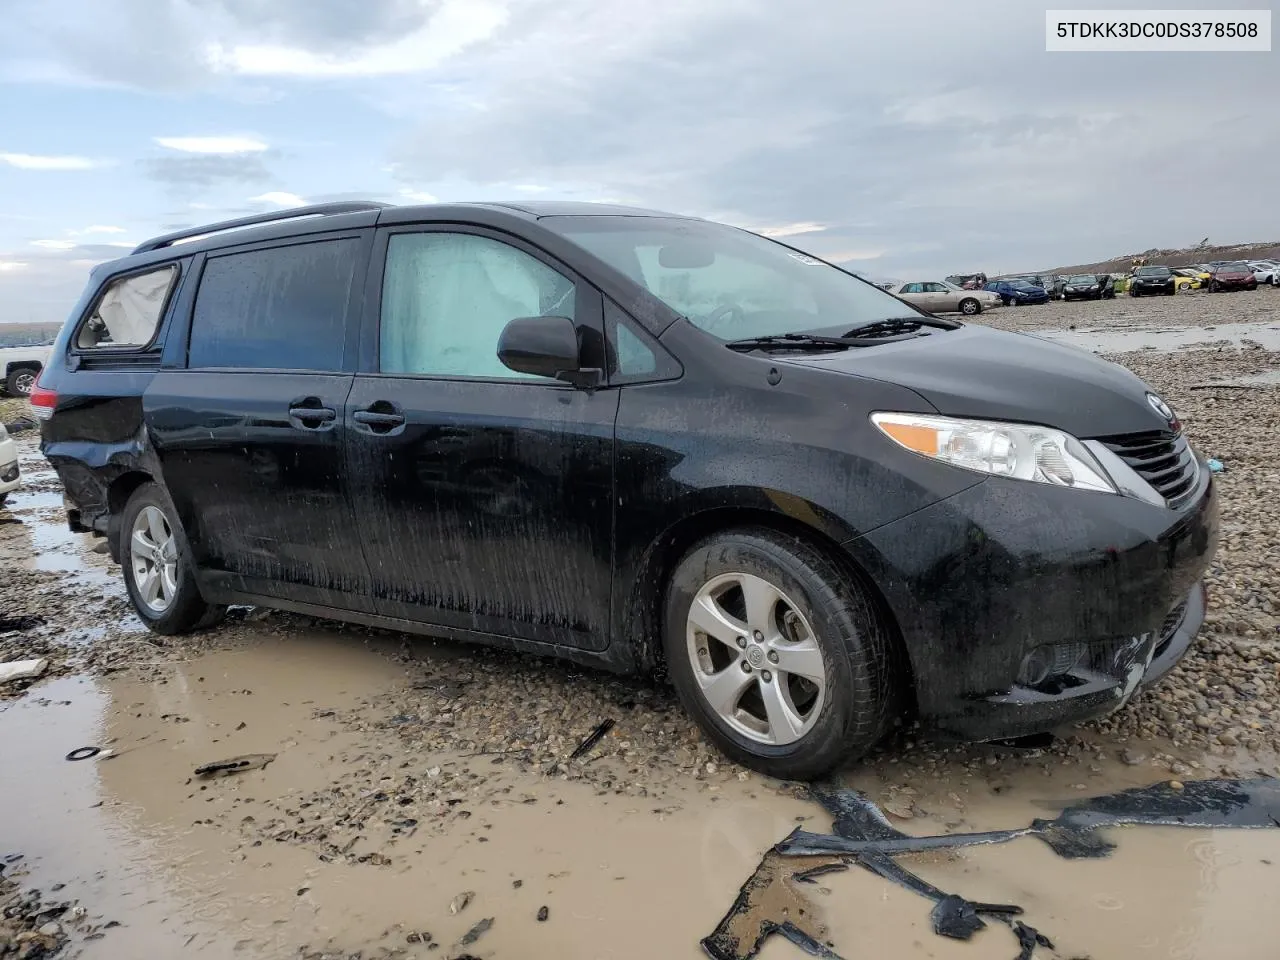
1016	450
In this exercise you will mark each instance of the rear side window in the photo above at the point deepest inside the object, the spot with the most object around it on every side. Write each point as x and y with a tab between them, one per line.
129	311
282	308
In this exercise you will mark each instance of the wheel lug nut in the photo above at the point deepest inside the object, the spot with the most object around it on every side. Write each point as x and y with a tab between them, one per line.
742	642
746	667
766	676
759	636
773	656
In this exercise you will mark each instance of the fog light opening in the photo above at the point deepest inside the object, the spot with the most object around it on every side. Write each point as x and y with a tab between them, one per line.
1049	661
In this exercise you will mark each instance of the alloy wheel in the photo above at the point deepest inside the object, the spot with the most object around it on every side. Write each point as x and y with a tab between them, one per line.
153	551
756	659
24	383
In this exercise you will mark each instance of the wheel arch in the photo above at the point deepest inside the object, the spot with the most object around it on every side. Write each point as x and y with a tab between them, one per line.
118	493
643	613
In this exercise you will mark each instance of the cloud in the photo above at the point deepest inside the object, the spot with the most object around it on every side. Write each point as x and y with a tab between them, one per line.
451	27
96	228
789	230
31	161
55	244
206	171
279	198
419	196
12	266
224	145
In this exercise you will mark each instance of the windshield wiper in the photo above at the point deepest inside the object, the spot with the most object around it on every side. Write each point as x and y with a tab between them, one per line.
812	341
901	325
794	341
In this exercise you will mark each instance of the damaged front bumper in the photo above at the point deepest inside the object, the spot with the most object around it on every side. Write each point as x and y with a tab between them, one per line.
1024	608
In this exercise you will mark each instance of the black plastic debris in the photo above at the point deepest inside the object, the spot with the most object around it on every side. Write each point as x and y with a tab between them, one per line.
543	913
595	737
223	768
772	901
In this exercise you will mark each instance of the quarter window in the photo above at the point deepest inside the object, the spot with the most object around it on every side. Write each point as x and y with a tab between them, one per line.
446	298
129	312
279	308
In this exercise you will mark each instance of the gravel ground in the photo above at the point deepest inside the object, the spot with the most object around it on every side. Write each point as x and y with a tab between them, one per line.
483	710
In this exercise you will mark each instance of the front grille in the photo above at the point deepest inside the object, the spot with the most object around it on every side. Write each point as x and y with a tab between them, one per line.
1162	458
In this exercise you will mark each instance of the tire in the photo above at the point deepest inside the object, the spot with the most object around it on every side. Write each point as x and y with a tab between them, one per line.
1214	288
177	606
970	307
21	382
820	725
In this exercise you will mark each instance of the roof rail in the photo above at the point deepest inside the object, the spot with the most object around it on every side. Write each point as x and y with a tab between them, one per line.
315	210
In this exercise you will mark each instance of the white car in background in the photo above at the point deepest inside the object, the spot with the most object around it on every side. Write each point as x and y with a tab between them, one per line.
8	464
1266	271
938	296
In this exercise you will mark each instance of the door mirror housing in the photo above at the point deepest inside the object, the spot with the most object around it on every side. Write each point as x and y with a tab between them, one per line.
546	347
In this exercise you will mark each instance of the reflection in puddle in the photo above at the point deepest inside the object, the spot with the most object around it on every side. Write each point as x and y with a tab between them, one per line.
1103	340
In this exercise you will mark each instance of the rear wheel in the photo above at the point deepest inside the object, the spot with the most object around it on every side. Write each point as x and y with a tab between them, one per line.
782	660
158	571
21	382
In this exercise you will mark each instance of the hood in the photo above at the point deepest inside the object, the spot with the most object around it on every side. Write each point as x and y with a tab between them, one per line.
988	374
1082	285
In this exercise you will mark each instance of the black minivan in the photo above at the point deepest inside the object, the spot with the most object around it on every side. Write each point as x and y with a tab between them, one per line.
638	441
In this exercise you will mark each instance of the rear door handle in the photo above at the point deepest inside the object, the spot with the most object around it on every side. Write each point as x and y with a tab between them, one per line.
310	415
378	419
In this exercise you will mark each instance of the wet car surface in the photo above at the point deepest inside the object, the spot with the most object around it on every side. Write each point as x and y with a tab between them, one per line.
468	750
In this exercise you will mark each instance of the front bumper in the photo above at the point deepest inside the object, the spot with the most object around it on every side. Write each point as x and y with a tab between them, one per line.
980	580
1153	288
10	475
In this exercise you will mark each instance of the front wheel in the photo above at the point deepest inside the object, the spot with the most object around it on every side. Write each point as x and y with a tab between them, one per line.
970	306
158	570
780	659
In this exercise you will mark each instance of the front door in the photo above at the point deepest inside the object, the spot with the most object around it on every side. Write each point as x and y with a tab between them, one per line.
484	496
250	435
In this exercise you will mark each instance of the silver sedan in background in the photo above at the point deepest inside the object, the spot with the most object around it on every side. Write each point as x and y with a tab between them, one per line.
937	296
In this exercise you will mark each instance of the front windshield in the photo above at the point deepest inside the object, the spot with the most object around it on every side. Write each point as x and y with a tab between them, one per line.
1237	267
1153	271
1082	278
731	283
1023	285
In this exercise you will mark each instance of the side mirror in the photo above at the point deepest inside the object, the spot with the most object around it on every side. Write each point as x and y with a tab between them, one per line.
545	347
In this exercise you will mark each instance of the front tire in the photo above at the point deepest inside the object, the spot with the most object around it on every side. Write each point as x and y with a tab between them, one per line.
158	570
782	660
970	307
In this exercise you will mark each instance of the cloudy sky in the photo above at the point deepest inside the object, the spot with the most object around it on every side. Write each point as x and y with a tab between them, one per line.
920	137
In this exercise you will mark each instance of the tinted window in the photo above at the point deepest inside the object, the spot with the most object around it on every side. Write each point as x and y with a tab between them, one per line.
283	308
446	298
912	288
129	310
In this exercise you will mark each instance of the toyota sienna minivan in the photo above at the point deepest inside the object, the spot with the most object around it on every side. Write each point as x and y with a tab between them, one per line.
643	442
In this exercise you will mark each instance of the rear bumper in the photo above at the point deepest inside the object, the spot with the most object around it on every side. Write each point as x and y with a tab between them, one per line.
980	580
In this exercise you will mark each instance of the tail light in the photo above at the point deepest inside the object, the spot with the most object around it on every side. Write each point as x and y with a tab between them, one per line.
43	401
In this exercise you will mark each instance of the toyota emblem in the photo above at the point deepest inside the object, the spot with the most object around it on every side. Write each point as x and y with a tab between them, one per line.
1160	407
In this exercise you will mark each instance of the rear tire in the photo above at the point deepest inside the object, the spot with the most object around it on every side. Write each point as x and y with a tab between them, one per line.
778	613
158	570
21	382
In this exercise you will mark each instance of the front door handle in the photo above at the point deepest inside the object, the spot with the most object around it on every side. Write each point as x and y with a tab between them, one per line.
379	417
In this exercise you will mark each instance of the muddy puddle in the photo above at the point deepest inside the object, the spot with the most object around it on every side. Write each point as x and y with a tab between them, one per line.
1130	339
232	866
